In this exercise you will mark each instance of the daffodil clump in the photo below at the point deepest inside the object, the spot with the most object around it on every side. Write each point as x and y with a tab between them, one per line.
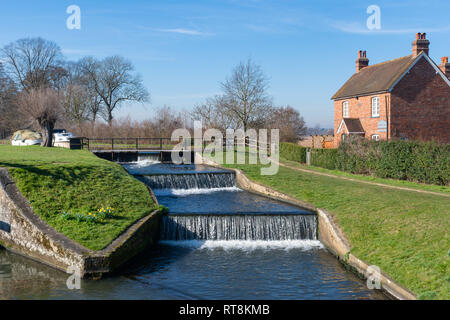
98	216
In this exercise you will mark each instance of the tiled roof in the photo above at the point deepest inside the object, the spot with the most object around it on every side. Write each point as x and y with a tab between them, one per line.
353	125
377	78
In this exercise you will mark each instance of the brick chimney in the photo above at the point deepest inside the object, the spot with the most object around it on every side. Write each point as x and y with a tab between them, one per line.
445	66
420	44
362	61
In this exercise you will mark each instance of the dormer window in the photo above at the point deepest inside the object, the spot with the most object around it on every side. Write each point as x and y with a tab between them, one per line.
345	109
375	106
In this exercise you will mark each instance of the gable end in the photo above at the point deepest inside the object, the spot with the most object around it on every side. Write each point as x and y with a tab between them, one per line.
435	67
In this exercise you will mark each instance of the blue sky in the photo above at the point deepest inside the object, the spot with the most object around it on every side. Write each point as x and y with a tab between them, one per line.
184	49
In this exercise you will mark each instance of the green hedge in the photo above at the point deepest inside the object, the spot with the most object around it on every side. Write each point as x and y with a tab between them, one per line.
325	158
293	152
426	162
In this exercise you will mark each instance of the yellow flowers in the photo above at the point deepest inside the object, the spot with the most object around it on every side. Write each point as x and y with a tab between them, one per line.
92	217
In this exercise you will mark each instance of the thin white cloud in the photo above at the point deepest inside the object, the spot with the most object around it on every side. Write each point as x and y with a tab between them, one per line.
185	31
360	29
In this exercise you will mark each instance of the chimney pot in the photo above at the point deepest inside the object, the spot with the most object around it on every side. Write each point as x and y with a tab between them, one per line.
362	60
445	66
420	44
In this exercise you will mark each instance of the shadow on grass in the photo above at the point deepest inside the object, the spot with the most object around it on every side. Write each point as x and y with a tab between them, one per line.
66	173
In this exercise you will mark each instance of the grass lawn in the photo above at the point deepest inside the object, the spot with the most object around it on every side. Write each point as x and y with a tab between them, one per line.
405	233
57	180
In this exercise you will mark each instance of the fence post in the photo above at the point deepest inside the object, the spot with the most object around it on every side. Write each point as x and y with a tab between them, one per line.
112	144
308	157
137	144
160	143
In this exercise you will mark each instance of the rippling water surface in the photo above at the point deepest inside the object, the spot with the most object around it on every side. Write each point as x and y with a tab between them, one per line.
199	270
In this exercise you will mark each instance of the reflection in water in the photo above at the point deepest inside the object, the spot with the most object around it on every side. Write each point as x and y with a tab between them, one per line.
19	276
208	271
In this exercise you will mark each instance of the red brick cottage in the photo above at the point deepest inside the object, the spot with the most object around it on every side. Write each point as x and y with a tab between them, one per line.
406	98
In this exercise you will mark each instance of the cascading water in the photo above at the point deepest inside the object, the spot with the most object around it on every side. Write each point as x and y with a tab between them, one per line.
239	227
147	158
190	181
205	204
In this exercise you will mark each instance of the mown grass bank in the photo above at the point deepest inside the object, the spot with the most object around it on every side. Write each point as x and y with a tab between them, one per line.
76	182
405	233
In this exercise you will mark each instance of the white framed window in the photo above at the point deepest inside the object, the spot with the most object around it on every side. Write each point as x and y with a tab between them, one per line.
375	106
376	137
343	136
345	109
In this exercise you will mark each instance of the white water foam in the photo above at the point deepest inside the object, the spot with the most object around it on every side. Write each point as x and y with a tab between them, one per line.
246	245
186	192
140	164
145	163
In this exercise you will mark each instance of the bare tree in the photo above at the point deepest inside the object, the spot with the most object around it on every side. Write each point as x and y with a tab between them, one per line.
166	120
245	98
75	103
289	122
211	114
88	69
8	118
41	107
33	63
114	82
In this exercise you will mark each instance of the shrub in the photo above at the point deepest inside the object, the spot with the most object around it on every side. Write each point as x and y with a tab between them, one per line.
426	162
293	152
325	158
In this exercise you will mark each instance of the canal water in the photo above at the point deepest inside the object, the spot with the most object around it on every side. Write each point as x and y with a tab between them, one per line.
218	242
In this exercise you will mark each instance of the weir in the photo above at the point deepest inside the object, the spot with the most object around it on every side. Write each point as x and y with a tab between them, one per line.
206	204
239	227
190	181
216	243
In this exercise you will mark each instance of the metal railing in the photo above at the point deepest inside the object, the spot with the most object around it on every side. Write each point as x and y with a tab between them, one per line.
149	144
127	144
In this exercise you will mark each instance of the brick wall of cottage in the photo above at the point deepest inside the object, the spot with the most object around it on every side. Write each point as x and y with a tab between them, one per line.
361	108
420	105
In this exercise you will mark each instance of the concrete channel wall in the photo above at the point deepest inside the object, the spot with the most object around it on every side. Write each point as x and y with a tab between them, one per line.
329	233
24	233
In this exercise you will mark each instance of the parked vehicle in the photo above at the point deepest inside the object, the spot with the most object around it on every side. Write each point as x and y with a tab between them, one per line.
26	138
62	137
59	131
